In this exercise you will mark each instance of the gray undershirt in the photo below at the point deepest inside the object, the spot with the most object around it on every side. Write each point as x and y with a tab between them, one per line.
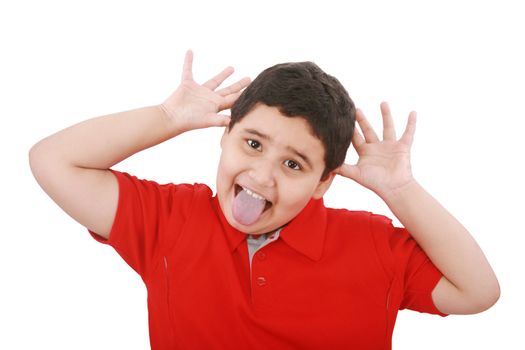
256	242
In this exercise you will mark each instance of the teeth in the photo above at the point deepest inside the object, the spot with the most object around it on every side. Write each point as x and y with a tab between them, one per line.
253	194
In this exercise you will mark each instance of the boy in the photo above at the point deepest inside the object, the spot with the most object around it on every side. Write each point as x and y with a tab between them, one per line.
263	264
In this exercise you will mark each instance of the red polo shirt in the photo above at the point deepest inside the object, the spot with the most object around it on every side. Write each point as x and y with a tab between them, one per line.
334	279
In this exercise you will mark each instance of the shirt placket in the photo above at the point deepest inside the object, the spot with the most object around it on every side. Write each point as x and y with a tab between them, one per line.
259	272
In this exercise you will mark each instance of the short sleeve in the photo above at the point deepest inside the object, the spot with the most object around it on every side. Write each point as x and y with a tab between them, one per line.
414	272
149	218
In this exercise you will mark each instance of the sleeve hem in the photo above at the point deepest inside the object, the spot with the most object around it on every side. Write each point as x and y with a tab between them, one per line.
111	238
435	281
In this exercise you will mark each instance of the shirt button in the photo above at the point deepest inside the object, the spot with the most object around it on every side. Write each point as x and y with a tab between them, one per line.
261	255
261	281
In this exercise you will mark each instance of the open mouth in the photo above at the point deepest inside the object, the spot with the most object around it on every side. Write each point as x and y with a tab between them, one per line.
256	196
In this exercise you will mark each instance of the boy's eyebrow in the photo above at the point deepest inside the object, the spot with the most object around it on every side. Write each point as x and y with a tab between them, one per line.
257	133
291	149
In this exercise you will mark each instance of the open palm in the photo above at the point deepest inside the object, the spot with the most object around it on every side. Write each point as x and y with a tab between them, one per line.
383	166
197	106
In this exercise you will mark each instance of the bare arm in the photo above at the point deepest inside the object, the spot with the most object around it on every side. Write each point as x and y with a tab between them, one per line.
469	284
72	165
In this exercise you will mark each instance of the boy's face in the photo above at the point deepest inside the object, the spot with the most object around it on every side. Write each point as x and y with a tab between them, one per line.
270	167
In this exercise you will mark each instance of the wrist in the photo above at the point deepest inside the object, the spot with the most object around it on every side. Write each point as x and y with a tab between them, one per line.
169	117
402	193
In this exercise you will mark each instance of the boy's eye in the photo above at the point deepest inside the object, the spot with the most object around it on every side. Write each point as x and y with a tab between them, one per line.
292	165
254	144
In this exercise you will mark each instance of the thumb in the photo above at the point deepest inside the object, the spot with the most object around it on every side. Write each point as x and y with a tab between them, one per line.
218	120
350	171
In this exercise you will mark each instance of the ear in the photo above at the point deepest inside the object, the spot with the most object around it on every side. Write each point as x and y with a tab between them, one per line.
224	134
323	186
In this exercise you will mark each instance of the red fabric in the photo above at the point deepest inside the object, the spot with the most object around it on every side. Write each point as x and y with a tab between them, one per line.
335	279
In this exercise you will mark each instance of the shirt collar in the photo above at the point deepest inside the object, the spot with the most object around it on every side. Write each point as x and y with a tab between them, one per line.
305	233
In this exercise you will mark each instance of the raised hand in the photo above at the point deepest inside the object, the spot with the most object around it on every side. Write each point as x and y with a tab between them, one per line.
194	106
383	166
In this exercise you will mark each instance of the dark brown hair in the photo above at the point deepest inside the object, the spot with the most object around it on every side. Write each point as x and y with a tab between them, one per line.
302	89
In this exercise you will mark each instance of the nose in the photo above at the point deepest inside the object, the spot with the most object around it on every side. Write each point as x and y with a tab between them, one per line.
263	173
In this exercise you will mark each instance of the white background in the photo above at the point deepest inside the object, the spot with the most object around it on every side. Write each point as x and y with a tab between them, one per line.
459	64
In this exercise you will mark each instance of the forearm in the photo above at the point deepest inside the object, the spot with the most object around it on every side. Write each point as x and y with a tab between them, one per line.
102	142
444	239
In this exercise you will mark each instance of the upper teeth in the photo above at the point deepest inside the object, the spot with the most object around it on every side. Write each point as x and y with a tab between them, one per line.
253	194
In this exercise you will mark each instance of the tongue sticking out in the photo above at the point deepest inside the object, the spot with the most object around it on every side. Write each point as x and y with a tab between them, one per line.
247	209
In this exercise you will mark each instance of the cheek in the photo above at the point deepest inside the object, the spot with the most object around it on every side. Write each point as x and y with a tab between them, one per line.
229	168
295	194
222	174
227	163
